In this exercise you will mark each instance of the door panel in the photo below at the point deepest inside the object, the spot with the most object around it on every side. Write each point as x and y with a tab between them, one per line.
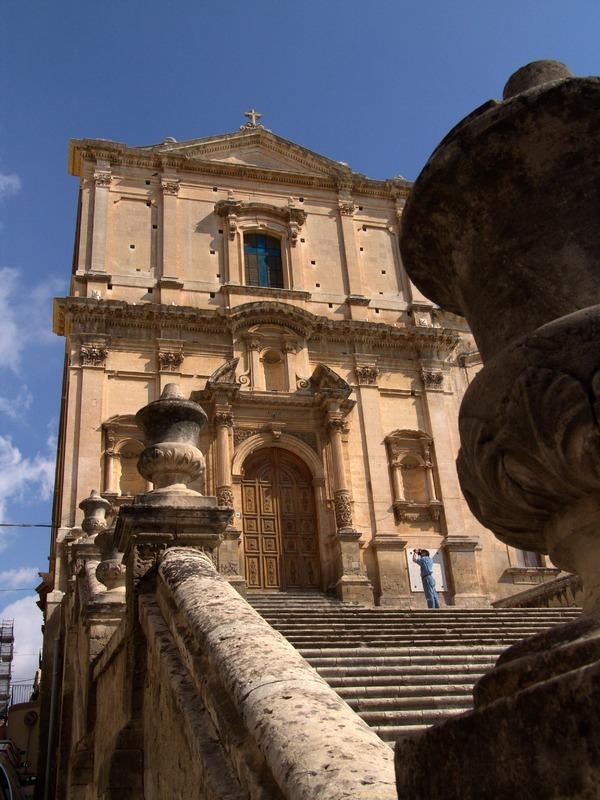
280	539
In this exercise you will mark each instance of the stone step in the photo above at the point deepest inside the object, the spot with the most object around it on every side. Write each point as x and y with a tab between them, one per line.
444	689
401	670
427	716
398	661
395	672
401	704
402	681
373	652
391	733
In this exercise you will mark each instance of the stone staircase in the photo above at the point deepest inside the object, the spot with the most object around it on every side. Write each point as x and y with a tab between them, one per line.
400	670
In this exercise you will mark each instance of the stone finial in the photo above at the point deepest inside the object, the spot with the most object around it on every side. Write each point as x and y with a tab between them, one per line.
94	510
111	570
533	75
171	425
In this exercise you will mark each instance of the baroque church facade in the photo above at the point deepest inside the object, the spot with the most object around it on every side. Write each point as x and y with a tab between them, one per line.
266	281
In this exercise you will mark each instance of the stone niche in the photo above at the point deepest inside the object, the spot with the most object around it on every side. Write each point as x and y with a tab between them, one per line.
410	457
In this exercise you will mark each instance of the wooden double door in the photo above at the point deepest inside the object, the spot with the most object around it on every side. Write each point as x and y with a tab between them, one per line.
280	536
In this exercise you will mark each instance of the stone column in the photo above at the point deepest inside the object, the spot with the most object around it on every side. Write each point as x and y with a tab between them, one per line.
257	375
352	584
102	180
171	280
346	209
229	549
290	349
93	353
223	420
110	484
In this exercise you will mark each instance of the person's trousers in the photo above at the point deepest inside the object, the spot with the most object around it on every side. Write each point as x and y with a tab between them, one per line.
430	592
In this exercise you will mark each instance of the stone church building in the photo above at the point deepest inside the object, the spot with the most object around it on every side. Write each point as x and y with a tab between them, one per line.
265	280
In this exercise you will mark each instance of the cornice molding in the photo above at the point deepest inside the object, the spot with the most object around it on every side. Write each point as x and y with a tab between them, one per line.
82	314
184	158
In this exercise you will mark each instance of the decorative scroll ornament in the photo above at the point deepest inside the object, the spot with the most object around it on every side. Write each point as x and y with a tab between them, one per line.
225	496
366	375
224	418
432	379
337	423
343	509
225	374
347	208
170	187
92	355
542	454
169	360
102	179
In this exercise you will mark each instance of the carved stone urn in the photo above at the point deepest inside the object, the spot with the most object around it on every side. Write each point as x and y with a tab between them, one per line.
171	459
111	570
171	514
502	226
94	510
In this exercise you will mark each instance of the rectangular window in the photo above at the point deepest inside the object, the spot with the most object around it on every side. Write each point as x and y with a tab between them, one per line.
262	256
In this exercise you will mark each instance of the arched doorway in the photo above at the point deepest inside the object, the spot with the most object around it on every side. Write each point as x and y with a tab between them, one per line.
280	536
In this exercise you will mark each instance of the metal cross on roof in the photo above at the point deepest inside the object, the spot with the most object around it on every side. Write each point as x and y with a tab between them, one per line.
253	116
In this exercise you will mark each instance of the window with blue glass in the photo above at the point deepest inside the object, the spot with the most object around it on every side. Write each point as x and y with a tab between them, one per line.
262	255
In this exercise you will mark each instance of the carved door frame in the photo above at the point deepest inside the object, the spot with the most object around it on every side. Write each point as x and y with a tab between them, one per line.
279	519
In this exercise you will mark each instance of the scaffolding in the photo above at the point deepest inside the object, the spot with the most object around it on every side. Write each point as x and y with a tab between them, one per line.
7	641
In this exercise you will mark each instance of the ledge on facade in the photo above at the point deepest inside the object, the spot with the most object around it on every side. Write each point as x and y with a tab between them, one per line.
531	574
357	300
170	282
94	275
408	511
560	592
265	291
79	314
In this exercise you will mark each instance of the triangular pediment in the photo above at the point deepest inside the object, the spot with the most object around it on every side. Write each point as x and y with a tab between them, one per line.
257	148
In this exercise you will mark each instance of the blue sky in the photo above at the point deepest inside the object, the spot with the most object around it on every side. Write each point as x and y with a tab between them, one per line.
374	84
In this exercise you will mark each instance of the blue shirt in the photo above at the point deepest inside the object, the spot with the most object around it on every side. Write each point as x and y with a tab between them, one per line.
426	564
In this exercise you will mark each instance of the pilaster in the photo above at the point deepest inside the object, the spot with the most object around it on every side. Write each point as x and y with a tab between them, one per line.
102	179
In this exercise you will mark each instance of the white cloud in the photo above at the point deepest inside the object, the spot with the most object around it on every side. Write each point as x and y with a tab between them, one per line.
19	304
22	478
28	636
18	578
16	408
9	184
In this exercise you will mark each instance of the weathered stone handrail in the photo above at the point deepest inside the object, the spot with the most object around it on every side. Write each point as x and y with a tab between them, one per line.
313	744
562	592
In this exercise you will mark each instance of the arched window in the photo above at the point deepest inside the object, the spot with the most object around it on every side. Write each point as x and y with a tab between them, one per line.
262	256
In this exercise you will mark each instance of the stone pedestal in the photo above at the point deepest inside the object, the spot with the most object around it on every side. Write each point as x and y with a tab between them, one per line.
394	583
352	586
462	567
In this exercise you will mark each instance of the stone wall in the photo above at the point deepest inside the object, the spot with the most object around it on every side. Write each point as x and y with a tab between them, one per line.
196	696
